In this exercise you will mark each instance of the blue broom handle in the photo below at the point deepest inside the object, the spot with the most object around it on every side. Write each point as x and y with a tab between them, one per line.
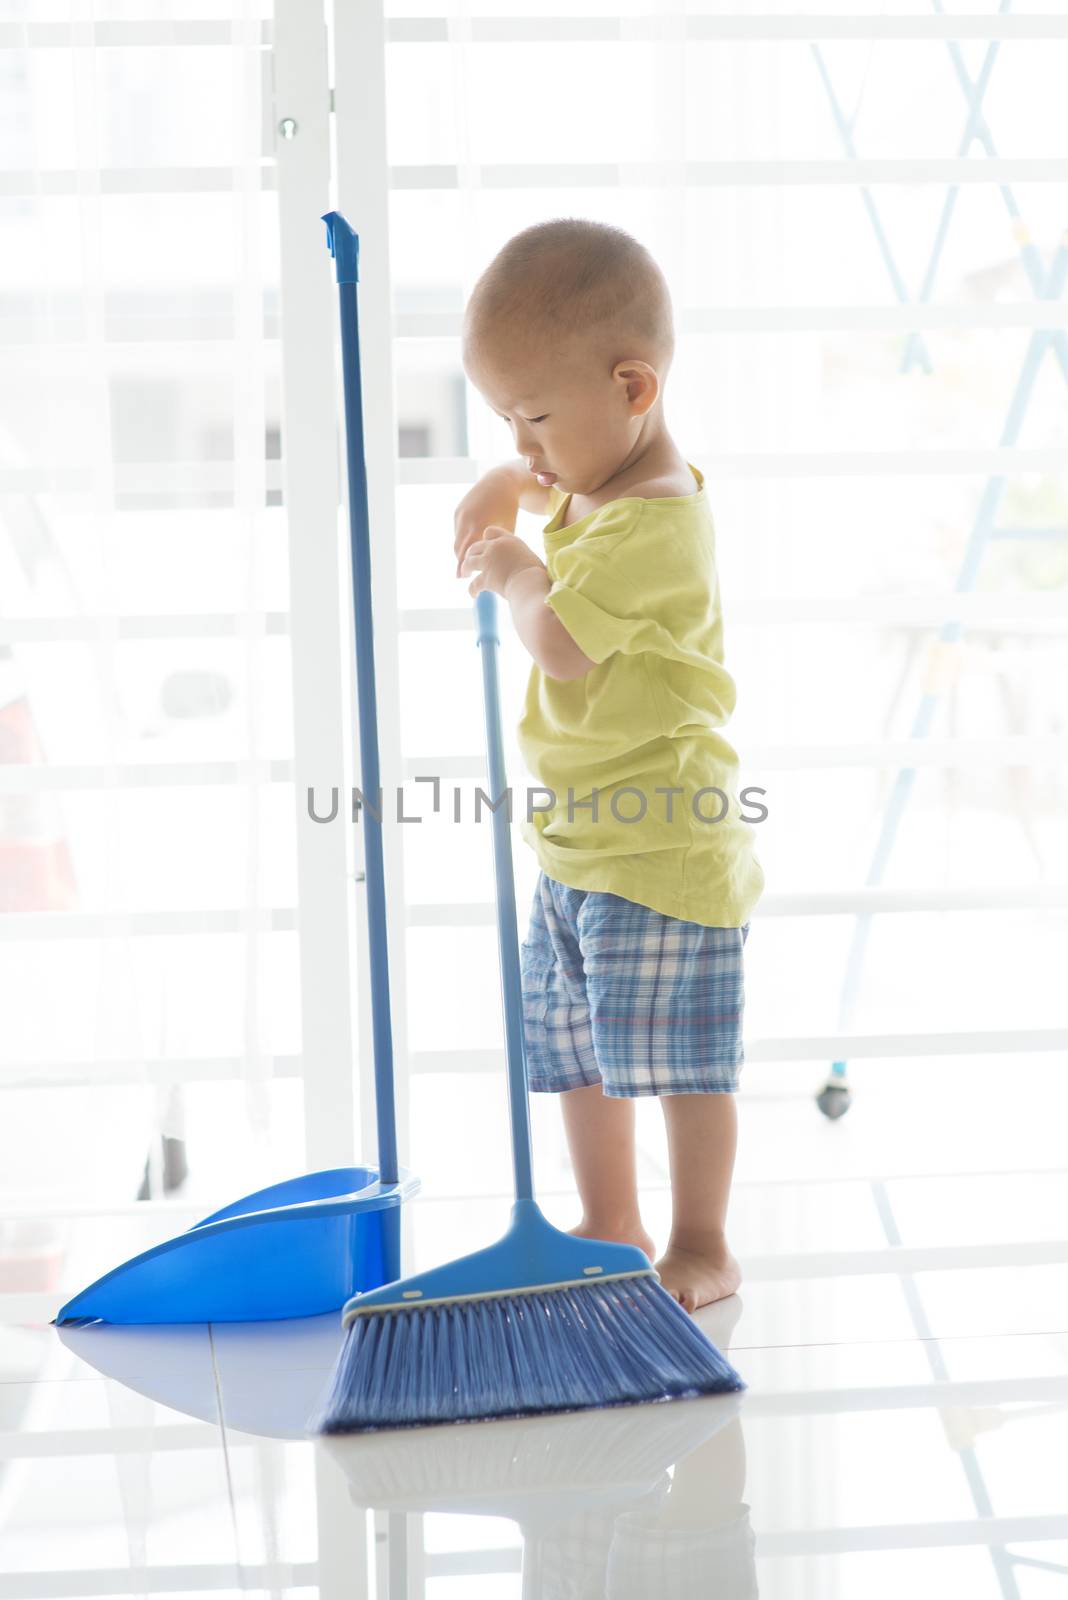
507	934
344	246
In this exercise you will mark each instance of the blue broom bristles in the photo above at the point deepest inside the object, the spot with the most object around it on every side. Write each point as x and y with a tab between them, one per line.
612	1343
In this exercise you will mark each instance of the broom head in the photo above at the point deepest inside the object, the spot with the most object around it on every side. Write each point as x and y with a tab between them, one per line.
539	1322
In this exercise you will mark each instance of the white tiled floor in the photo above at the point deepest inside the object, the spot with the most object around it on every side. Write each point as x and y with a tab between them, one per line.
904	1431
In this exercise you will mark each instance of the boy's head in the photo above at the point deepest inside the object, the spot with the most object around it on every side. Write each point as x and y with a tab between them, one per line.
568	335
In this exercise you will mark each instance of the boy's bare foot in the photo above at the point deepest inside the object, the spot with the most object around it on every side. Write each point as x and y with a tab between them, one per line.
697	1276
635	1235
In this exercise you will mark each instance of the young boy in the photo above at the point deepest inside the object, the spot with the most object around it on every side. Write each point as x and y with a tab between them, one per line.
632	968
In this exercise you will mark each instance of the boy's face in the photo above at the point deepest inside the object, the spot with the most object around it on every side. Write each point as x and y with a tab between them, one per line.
575	423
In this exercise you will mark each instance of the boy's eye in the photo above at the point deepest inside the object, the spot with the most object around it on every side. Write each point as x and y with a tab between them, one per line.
526	419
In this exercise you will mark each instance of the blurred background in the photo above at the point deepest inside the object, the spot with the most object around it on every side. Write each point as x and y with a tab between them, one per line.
878	466
864	230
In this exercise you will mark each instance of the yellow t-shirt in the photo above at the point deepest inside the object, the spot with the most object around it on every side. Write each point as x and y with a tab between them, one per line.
635	584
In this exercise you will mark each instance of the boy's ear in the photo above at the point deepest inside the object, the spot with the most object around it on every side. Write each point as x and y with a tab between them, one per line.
642	382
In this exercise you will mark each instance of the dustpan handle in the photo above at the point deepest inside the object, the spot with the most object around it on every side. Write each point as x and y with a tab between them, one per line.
344	246
507	934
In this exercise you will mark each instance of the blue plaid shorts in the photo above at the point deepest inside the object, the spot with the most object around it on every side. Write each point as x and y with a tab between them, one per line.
619	994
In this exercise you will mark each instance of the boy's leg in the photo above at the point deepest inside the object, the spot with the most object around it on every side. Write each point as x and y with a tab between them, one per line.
702	1134
600	1136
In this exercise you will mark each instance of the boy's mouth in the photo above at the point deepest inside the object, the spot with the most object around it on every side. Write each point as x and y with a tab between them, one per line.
545	478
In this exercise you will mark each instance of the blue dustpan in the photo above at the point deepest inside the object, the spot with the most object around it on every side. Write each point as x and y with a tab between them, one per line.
303	1247
296	1249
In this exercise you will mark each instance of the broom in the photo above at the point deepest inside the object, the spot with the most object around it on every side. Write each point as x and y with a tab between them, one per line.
541	1321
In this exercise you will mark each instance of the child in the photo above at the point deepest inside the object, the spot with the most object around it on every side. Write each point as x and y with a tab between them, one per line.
632	968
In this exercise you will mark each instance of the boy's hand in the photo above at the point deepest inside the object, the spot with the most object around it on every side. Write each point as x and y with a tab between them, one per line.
495	559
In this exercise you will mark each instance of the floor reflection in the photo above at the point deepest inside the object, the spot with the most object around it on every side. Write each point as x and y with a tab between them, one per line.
600	1511
622	1502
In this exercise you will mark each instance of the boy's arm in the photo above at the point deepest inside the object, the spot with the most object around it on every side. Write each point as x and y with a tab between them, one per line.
496	499
532	495
537	624
541	631
540	628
